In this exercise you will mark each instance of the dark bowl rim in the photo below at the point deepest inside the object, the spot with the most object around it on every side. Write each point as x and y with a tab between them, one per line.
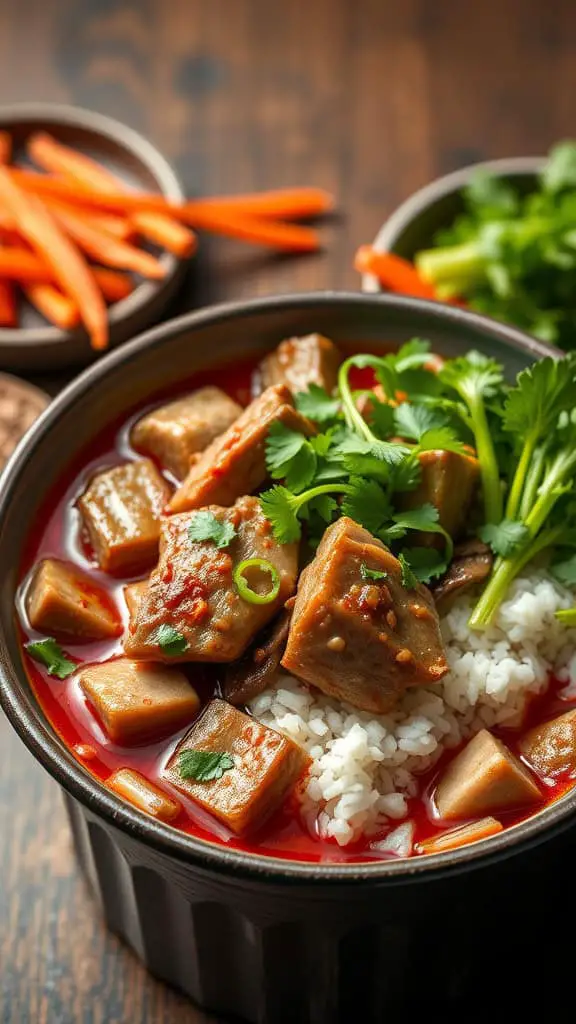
28	720
148	156
411	208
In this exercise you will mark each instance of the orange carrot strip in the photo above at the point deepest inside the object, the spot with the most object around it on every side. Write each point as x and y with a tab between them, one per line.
112	252
53	156
276	234
279	204
114	285
7	293
460	836
22	265
393	272
118	227
53	304
65	260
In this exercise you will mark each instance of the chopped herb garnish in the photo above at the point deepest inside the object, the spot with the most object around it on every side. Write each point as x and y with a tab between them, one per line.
565	571
426	563
372	574
505	537
247	593
316	404
51	655
203	765
409	579
170	640
205	526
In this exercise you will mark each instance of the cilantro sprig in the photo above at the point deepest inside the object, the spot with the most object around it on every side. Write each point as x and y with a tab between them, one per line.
50	654
204	765
205	526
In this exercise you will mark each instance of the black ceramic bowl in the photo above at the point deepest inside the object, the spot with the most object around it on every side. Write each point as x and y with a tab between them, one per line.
414	223
267	940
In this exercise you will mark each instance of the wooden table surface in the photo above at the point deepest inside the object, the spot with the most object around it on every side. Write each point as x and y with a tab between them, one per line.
369	99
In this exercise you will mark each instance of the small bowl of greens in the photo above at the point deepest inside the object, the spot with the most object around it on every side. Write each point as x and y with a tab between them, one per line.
498	237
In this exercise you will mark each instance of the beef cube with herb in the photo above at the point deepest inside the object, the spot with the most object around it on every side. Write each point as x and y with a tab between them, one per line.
449	482
138	702
235	768
66	603
147	797
550	748
176	432
121	510
358	633
196	608
300	362
235	463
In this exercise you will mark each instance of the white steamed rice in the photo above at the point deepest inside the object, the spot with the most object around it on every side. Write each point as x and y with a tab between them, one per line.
364	767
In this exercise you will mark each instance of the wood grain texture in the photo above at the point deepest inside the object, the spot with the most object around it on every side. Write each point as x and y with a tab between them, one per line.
370	99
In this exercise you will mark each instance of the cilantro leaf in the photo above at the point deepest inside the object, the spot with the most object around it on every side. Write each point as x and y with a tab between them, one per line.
366	465
505	537
413	421
389	452
560	170
321	443
490	196
170	640
406	475
366	503
203	765
316	404
542	392
278	506
424	518
282	445
441	439
409	579
473	375
324	505
565	571
426	563
51	655
301	470
205	526
381	417
372	574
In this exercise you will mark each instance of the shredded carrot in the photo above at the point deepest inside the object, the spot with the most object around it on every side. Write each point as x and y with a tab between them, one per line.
114	285
60	159
460	836
276	234
65	260
112	252
395	273
7	292
53	304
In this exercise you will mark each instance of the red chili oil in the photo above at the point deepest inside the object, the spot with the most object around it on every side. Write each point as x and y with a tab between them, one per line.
58	534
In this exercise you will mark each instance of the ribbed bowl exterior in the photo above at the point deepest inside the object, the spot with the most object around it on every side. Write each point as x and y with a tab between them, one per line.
302	953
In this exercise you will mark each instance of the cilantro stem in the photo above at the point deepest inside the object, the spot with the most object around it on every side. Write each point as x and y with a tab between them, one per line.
487	459
299	500
550	490
353	416
532	482
463	263
517	488
505	571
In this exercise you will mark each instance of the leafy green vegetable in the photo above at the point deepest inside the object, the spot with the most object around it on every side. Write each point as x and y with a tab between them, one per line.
170	640
316	404
513	256
425	563
366	503
51	655
442	439
565	571
504	537
412	421
205	526
409	578
204	765
372	574
282	508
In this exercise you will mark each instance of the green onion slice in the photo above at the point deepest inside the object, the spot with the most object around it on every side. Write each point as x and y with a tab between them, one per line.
244	588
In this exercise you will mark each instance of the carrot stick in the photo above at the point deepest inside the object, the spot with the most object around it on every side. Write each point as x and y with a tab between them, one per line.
7	293
24	266
395	273
53	304
114	285
53	156
276	234
279	204
112	252
118	227
65	260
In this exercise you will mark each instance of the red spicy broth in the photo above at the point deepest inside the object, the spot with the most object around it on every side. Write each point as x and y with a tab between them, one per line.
57	533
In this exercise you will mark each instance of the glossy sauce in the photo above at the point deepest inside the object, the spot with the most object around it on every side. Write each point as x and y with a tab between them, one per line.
58	534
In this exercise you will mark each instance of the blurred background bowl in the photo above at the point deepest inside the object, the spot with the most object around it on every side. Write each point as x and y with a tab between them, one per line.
36	345
413	225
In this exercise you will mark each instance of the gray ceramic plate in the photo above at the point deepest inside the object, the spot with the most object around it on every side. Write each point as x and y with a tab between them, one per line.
36	345
412	225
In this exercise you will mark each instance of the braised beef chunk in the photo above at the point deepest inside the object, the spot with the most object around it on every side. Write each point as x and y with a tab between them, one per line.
550	749
64	602
246	678
121	510
133	594
235	463
138	702
144	794
176	432
258	767
192	590
484	778
299	362
449	482
470	565
362	640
